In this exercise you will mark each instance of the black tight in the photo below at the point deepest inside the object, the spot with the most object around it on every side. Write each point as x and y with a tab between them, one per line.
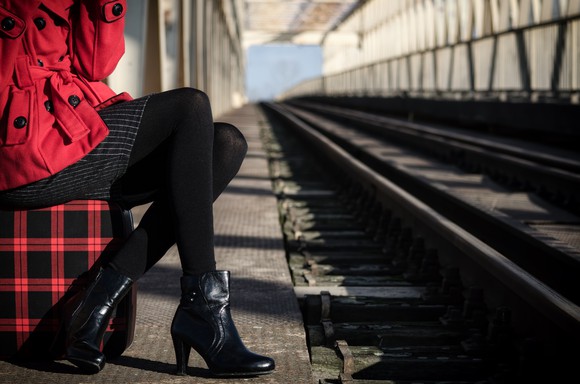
182	162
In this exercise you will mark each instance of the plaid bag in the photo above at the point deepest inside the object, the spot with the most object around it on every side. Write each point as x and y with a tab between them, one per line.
45	256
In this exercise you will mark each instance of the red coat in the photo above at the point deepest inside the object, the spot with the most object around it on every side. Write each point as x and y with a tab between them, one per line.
53	56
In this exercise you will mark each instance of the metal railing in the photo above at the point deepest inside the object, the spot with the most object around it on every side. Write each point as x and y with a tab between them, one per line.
455	49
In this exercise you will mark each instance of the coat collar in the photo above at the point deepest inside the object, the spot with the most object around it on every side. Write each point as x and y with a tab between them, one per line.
21	8
60	7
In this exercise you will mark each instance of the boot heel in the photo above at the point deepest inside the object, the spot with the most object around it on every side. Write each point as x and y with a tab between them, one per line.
182	351
56	350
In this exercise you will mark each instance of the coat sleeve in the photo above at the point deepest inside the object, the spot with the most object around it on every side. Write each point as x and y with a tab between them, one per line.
12	27
98	37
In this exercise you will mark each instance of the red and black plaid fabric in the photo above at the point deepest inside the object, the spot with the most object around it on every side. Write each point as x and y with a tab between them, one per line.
46	253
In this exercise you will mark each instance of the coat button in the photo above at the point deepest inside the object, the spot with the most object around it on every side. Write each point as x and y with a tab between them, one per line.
117	9
9	23
48	105
40	23
40	63
20	122
74	100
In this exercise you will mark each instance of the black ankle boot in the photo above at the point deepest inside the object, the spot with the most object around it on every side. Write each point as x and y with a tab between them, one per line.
203	322
90	311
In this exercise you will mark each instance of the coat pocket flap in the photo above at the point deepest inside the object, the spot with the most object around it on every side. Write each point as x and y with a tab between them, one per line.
11	25
18	121
114	10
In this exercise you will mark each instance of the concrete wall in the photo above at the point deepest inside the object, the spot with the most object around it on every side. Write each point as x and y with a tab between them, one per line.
183	43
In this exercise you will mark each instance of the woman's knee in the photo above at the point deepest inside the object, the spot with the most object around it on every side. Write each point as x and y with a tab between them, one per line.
196	96
188	100
229	138
170	108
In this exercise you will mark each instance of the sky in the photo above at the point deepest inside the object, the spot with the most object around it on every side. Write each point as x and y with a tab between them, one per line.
271	69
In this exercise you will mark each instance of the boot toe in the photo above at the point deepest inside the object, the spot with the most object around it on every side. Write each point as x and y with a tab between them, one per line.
85	358
259	365
88	366
265	365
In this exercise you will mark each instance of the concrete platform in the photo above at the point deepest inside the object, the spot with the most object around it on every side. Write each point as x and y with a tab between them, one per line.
249	244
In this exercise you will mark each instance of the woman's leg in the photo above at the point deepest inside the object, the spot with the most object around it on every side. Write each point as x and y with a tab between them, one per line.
177	128
202	321
155	233
174	152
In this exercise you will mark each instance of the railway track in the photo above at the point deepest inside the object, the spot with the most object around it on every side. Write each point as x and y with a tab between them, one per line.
400	279
553	174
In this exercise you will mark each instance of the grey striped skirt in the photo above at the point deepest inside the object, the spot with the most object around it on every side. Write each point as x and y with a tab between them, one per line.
93	176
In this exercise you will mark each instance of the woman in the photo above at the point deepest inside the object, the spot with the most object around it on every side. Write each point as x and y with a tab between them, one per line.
65	135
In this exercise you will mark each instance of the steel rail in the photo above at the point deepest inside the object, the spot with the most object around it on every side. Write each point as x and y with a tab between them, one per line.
558	309
568	167
531	251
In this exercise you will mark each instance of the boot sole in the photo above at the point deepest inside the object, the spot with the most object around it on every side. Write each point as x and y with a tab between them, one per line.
242	374
86	366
